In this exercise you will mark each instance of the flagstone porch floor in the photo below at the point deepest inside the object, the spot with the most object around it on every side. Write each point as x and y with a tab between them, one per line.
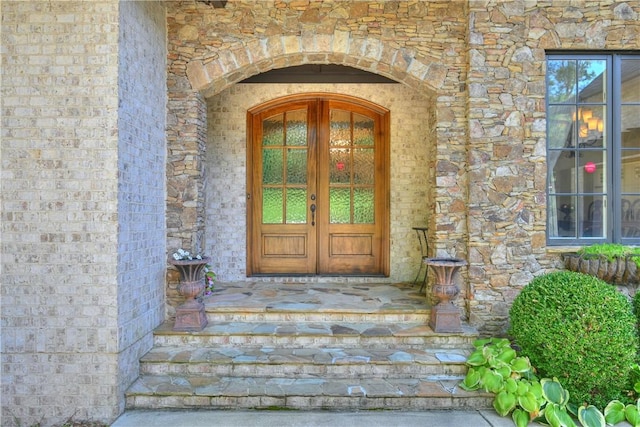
325	297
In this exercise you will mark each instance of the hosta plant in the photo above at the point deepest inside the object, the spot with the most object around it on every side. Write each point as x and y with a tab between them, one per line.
616	412
495	367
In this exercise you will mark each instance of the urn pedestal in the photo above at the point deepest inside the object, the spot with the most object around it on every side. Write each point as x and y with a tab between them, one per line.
190	316
445	317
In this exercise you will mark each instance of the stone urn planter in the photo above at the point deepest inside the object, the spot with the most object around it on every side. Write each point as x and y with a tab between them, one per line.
445	317
617	271
190	316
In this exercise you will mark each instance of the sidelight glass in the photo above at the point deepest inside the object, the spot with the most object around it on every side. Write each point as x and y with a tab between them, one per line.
577	148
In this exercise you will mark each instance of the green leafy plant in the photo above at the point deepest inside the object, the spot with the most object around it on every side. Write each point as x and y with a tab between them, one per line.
611	251
635	303
616	412
495	367
579	329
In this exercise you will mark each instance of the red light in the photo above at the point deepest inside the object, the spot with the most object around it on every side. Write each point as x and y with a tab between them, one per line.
340	166
589	167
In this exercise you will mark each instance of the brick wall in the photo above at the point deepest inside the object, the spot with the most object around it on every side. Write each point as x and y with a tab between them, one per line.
142	156
77	180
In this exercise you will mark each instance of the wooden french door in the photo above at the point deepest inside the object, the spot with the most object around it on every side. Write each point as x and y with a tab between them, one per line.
318	192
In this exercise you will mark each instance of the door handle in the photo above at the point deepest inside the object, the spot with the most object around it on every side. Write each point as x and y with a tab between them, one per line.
313	214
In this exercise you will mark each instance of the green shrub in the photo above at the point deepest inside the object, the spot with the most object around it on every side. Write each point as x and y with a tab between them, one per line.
579	329
611	251
636	306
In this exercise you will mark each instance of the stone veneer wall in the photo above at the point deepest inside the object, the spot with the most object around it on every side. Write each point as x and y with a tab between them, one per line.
419	44
483	62
226	170
83	241
507	44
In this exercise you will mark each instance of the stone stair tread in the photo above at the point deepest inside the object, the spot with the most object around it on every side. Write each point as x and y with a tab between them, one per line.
314	328
273	355
167	385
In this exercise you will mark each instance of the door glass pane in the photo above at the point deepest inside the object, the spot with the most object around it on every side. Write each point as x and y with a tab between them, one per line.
591	126
272	166
363	166
339	166
594	213
296	206
363	206
340	128
297	127
297	166
630	173
362	130
592	80
561	81
592	176
340	205
630	125
561	126
272	206
563	177
273	130
630	87
563	217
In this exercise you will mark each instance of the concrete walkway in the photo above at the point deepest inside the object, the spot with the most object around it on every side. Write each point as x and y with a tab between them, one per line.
204	418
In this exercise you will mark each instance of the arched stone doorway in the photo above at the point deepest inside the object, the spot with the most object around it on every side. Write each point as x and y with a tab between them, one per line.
201	78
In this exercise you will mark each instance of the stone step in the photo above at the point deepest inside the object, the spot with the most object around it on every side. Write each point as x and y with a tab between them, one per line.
317	302
168	391
304	362
404	335
322	346
220	314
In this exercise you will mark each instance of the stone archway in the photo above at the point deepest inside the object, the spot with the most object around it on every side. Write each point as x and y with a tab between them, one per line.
208	72
187	112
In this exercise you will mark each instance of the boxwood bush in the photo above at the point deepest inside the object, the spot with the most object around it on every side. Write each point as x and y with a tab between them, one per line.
636	306
579	329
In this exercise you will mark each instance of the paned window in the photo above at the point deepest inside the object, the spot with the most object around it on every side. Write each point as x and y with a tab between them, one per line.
593	149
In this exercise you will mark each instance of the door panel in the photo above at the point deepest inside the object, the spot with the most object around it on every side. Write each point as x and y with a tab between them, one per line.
318	180
351	229
281	238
